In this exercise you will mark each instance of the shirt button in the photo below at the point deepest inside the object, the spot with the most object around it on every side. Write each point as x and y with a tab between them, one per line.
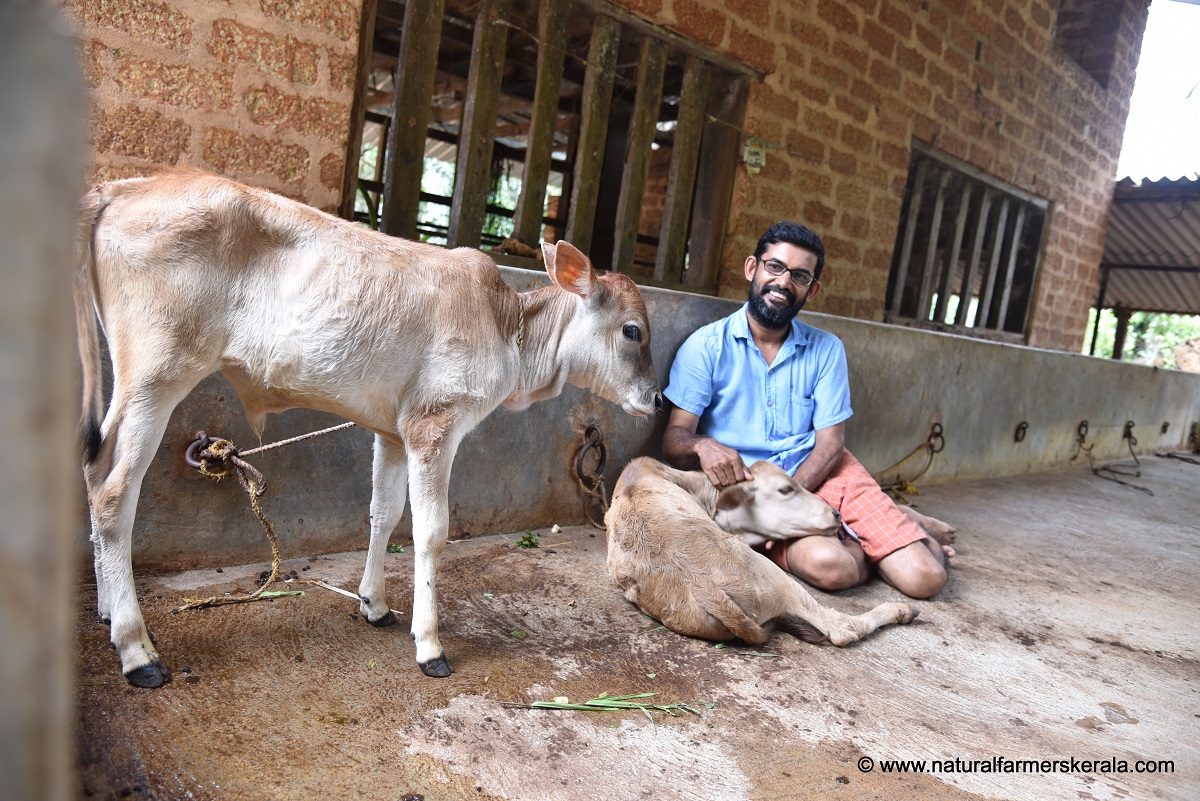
770	403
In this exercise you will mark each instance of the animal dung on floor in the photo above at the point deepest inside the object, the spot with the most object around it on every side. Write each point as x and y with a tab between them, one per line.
674	549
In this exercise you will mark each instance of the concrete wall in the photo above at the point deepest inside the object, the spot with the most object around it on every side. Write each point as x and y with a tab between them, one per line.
517	470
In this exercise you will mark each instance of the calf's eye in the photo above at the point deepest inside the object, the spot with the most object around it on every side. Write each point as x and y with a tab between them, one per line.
786	490
632	333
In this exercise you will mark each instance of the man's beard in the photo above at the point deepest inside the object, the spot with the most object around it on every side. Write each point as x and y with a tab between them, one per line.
772	318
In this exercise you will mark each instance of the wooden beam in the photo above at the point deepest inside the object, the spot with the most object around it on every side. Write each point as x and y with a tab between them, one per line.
910	235
358	109
596	103
950	256
681	183
988	289
472	174
652	66
552	38
715	176
972	268
415	68
1011	267
935	228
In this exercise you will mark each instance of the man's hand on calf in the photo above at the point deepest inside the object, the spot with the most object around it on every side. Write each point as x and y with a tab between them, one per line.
723	466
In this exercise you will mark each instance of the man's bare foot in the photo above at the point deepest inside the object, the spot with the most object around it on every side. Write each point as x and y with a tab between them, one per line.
943	533
949	552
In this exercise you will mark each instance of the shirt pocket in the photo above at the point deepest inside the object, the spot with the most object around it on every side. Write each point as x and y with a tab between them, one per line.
798	420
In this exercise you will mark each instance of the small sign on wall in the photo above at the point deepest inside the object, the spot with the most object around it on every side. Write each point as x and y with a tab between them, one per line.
754	154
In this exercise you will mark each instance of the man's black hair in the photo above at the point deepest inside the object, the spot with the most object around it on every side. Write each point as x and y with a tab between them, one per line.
794	234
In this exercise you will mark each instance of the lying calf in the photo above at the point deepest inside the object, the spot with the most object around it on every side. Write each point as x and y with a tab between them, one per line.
675	550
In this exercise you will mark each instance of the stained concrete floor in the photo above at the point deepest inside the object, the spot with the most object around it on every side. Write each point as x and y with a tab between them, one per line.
1068	631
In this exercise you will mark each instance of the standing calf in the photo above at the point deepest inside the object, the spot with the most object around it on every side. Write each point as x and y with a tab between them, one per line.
675	547
192	274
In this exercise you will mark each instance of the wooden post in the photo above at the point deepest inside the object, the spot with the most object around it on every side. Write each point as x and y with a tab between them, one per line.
935	227
715	176
681	183
415	71
972	269
358	108
950	257
43	135
1010	269
988	288
552	36
642	128
477	133
1104	271
1123	314
910	235
593	130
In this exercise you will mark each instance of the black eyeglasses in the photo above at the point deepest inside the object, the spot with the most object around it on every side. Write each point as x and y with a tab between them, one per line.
799	277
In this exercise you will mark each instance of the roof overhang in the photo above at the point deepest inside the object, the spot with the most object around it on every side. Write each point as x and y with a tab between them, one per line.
1152	250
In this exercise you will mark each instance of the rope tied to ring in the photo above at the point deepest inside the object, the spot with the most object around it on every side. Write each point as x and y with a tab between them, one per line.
217	459
592	481
900	487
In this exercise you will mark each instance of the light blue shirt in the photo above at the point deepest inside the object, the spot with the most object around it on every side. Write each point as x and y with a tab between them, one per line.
762	411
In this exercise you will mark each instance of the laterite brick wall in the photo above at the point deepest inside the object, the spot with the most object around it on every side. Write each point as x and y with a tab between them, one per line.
258	90
261	90
850	83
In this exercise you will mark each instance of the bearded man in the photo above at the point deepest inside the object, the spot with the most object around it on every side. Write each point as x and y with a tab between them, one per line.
761	384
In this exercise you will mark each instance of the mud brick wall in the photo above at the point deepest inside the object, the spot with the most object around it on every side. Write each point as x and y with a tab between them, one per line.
850	83
257	90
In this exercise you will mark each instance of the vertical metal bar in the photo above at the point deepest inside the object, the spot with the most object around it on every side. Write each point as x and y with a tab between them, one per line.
1011	266
681	183
950	257
715	176
416	66
642	128
935	228
966	292
910	233
593	130
477	134
989	277
552	39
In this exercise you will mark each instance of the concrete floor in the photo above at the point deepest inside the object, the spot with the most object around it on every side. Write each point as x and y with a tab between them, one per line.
1068	631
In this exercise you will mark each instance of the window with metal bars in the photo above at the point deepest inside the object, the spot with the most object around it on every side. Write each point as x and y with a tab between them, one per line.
967	251
530	120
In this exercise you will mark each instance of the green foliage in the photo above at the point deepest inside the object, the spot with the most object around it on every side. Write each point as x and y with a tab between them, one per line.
528	540
1151	338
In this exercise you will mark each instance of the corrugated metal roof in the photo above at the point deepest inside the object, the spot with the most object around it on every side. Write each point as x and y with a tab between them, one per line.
1152	250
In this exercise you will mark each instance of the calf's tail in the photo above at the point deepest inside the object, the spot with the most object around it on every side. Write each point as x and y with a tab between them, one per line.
92	207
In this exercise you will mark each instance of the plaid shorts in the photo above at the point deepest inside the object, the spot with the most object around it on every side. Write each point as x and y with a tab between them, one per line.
880	525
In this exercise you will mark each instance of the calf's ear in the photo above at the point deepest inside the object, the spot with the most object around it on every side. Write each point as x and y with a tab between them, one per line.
732	497
570	269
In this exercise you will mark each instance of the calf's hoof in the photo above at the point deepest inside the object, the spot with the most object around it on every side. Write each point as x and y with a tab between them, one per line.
437	668
386	620
908	613
149	676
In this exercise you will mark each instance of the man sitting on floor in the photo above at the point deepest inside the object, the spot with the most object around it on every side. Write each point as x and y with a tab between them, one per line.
760	384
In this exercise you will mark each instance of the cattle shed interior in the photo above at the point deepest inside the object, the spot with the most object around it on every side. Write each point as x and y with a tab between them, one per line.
1060	662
